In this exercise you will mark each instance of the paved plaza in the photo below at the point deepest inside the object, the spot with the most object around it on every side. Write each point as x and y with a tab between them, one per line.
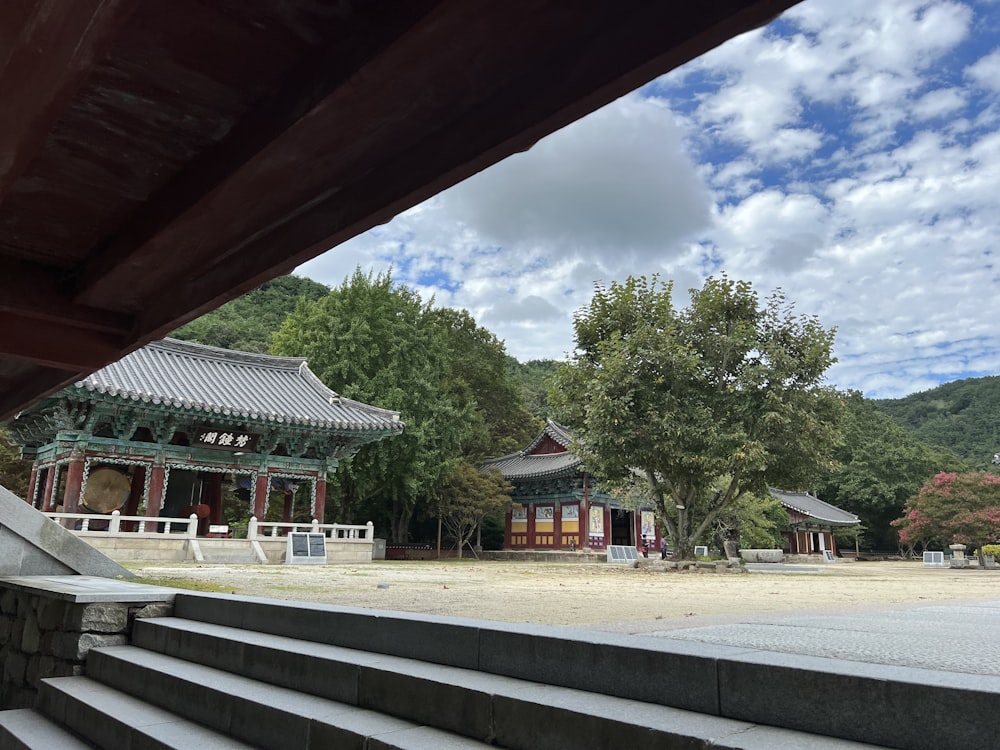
956	637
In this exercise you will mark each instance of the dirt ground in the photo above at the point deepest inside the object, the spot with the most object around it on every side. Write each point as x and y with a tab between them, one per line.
592	595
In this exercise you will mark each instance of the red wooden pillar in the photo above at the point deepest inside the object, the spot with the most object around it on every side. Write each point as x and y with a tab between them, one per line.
320	509
31	485
154	500
608	538
74	482
50	477
211	495
585	516
508	518
557	525
260	495
530	540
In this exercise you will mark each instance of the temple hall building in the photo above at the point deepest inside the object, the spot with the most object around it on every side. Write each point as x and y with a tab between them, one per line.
812	523
557	506
160	431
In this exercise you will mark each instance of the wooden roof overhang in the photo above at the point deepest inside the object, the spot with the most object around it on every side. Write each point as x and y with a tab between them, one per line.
159	158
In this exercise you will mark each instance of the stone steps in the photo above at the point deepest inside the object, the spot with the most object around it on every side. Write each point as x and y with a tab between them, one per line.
493	709
259	673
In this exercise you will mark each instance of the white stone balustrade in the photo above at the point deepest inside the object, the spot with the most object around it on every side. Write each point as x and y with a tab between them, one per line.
343	532
116	528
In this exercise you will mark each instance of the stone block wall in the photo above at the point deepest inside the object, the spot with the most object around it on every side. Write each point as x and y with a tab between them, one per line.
45	637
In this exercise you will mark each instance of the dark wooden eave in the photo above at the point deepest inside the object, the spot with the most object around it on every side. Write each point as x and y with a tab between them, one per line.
159	158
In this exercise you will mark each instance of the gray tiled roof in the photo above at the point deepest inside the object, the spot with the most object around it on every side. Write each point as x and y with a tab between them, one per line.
519	466
815	508
235	385
522	465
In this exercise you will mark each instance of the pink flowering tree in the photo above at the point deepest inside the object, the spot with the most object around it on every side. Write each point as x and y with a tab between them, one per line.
953	509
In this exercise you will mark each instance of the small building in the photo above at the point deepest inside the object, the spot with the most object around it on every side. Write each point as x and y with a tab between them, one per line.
812	523
557	506
165	426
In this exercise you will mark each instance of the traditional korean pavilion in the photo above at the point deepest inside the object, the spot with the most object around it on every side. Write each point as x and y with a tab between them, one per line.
556	504
165	425
812	522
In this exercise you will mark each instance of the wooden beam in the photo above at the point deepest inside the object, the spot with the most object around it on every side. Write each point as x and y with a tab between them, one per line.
57	346
32	291
43	66
625	46
132	253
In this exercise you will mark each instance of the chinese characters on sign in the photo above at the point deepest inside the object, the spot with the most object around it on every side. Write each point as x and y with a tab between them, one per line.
211	437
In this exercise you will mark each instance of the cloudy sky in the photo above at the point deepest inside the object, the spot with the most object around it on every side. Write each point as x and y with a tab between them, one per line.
849	153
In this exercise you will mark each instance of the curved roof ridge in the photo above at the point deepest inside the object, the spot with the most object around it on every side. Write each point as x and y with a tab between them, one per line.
555	431
204	351
235	385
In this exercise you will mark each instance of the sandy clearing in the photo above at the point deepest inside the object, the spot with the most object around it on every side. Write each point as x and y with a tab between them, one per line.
610	597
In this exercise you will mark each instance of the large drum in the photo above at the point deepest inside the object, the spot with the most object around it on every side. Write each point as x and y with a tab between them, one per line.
107	490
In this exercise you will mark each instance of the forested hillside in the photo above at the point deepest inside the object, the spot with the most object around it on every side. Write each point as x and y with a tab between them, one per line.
246	323
534	377
963	416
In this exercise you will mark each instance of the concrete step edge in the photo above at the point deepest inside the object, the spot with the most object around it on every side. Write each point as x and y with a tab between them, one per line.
709	678
112	719
250	710
27	729
488	708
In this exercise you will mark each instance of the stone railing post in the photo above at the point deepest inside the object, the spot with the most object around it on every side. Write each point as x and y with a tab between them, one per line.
369	531
114	528
192	530
315	526
252	528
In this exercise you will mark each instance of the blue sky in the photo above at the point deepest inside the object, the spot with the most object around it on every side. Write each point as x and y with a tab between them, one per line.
849	153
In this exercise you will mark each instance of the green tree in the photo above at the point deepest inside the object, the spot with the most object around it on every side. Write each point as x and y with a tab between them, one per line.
14	471
479	374
709	403
248	322
752	521
377	342
467	498
953	508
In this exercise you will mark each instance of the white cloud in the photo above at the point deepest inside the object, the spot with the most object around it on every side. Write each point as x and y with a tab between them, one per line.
986	71
849	154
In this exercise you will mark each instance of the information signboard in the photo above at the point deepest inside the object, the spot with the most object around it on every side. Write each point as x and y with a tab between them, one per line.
305	548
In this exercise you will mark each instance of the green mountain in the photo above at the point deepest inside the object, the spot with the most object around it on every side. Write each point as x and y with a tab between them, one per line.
246	323
963	416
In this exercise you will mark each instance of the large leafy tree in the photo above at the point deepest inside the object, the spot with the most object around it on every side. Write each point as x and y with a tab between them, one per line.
877	467
479	374
376	341
720	399
953	508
